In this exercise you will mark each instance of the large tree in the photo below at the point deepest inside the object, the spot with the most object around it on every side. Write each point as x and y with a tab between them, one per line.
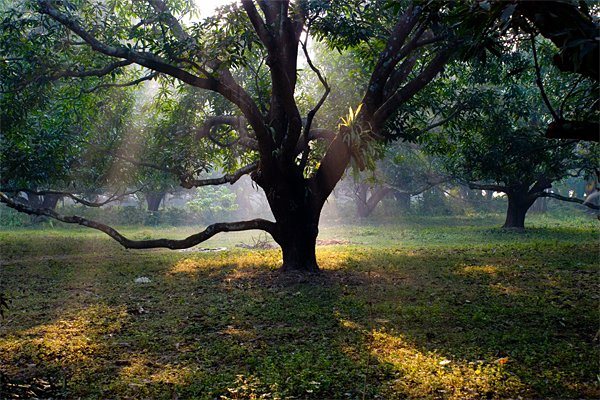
406	46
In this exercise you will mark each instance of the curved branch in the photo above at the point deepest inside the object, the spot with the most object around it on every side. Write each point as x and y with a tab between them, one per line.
228	178
173	244
239	123
538	80
570	199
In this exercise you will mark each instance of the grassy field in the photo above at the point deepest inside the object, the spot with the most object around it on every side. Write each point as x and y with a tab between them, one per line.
437	308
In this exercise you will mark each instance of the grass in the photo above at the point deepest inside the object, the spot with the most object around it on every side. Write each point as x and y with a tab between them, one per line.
437	308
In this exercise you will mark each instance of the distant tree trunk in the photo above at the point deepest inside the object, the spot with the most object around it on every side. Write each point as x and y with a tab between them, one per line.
51	200
153	200
519	202
403	200
540	205
367	200
48	201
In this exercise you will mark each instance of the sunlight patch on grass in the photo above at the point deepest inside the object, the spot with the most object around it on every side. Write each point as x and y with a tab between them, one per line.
481	269
189	266
67	344
507	289
430	375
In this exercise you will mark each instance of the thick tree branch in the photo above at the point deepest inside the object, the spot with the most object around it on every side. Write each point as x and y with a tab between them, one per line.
332	168
577	130
227	87
429	72
259	25
173	244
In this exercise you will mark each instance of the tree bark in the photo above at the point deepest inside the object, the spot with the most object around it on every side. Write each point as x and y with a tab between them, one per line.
298	245
153	200
518	204
296	207
51	200
365	203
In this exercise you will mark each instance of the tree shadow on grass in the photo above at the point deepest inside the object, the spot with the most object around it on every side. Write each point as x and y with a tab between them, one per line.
388	324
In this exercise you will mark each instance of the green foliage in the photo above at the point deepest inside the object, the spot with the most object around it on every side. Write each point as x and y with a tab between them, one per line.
500	140
213	203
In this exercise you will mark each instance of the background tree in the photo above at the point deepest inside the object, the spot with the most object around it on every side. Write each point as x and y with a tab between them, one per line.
499	146
572	27
405	171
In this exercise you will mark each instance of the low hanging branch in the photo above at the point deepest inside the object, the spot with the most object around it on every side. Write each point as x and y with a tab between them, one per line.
174	244
72	196
571	200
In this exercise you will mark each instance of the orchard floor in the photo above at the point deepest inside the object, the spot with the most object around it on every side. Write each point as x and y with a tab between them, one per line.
431	308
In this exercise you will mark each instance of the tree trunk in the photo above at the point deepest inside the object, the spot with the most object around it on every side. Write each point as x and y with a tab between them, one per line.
50	201
299	247
365	204
403	200
153	200
518	205
296	209
362	209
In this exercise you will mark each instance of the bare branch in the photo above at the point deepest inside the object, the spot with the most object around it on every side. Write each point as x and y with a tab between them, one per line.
570	199
311	114
72	196
538	80
173	244
123	84
482	186
228	178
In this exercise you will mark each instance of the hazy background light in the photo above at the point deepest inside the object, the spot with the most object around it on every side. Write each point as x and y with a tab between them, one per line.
207	7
